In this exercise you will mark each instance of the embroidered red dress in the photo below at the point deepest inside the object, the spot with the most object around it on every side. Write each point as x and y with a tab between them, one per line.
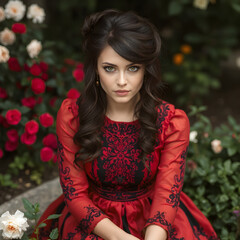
118	186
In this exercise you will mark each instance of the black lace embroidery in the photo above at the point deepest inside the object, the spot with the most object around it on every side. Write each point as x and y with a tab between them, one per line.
160	218
176	189
86	222
65	180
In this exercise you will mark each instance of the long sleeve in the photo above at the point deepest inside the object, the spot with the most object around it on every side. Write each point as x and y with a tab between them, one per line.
171	168
74	180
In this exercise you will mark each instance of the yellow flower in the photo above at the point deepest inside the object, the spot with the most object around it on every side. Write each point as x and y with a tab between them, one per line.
186	49
178	58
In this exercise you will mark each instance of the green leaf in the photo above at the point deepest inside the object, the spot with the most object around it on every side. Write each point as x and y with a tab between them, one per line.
28	206
236	7
174	8
54	216
29	215
231	151
54	234
41	225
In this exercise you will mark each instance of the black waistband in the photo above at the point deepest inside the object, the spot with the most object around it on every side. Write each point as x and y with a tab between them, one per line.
122	196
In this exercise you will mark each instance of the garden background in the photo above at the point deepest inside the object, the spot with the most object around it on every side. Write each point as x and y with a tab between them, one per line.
200	63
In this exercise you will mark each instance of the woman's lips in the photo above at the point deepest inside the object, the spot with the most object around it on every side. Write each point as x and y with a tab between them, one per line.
121	93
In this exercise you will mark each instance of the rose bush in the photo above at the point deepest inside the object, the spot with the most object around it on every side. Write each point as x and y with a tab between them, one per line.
33	84
212	172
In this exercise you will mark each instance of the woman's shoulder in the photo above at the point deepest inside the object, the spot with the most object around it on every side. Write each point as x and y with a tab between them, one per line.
67	115
167	112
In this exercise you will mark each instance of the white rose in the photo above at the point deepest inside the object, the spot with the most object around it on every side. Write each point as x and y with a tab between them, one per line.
7	37
15	9
4	54
216	146
13	226
202	4
192	137
34	48
2	14
36	13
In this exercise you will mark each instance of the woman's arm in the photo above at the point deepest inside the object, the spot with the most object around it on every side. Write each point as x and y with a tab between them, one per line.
154	232
107	230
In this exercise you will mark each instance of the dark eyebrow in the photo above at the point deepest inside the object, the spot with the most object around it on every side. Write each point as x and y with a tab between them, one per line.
116	65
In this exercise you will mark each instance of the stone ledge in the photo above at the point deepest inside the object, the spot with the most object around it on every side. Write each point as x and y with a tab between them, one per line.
43	194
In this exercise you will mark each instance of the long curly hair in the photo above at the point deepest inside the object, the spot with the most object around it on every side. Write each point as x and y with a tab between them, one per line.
137	40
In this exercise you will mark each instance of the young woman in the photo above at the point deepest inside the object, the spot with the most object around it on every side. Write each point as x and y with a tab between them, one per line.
121	149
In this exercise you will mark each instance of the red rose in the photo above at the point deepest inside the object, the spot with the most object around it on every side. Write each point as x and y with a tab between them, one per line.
50	140
14	65
43	66
46	154
1	153
19	28
46	119
39	100
80	65
26	67
38	86
13	116
11	146
28	139
31	127
73	93
52	101
35	70
3	93
29	102
44	76
78	74
12	135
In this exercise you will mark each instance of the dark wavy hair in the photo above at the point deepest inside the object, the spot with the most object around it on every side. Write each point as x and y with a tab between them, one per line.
137	40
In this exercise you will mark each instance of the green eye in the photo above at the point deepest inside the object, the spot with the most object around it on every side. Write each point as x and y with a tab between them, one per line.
133	68
109	69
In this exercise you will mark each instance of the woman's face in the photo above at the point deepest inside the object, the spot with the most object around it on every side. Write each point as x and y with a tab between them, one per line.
120	79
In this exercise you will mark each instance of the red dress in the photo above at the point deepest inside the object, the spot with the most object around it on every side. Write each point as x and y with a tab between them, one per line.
118	186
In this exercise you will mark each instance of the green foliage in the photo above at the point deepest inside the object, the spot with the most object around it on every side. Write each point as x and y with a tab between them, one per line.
5	181
212	178
32	213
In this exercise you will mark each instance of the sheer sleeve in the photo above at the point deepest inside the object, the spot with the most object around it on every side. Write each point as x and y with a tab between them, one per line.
74	180
170	175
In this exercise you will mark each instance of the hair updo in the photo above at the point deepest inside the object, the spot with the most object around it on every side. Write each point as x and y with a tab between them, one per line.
137	40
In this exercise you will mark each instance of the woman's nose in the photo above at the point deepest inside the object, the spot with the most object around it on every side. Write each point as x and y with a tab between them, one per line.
121	81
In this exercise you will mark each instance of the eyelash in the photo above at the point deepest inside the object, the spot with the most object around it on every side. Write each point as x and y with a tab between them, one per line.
106	68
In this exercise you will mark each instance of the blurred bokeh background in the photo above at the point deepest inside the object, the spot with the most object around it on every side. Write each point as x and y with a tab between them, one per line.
200	62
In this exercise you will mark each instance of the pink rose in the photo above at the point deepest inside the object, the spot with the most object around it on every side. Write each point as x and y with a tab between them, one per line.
12	135
31	127
50	140
28	139
38	86
73	93
52	101
46	119
13	116
11	146
46	154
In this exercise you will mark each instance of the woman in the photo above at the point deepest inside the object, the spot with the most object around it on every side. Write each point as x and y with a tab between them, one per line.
121	149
